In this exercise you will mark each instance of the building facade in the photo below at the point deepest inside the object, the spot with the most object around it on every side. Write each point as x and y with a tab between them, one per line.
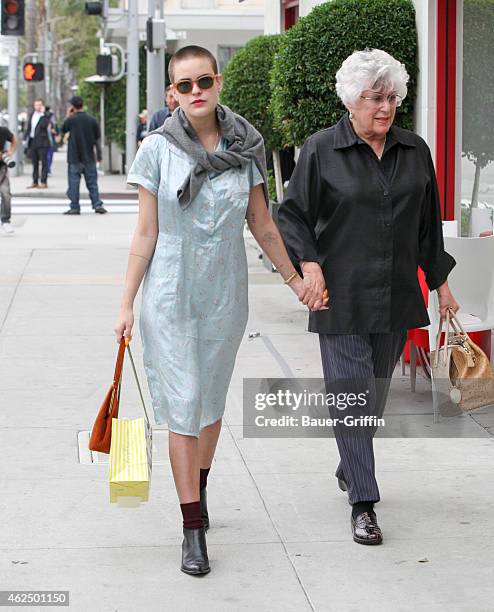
222	26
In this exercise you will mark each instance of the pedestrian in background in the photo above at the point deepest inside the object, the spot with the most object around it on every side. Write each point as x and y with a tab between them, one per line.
361	213
84	149
38	143
52	134
198	177
162	115
142	128
5	194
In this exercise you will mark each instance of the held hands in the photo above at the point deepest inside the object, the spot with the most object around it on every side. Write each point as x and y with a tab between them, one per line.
311	289
124	323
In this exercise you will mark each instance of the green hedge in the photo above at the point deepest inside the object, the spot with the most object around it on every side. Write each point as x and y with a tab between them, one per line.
247	89
304	97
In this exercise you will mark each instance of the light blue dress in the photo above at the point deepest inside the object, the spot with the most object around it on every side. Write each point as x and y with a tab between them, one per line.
194	298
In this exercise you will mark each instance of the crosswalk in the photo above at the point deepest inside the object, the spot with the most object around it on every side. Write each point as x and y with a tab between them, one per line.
47	206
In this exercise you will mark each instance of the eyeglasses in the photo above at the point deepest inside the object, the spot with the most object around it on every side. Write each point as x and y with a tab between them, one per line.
378	99
185	86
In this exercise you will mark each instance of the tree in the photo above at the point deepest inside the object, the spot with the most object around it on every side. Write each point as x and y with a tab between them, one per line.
478	87
304	97
247	91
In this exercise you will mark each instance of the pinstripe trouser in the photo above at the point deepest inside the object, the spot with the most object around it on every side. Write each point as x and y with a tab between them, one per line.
366	357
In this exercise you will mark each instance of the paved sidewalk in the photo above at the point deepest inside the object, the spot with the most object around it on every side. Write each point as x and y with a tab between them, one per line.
110	185
280	536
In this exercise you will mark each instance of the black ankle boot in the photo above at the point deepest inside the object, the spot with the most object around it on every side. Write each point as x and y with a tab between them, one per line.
194	552
204	508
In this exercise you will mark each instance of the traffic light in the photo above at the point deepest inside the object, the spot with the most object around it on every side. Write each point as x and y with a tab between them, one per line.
155	34
93	8
34	71
12	17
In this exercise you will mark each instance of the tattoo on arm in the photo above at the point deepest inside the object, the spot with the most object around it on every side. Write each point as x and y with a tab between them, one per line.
270	238
251	218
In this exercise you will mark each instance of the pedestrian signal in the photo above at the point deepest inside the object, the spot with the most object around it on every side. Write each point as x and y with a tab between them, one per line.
104	65
93	8
12	17
34	71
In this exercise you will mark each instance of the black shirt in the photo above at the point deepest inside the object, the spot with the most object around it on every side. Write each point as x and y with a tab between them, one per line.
5	136
369	224
84	137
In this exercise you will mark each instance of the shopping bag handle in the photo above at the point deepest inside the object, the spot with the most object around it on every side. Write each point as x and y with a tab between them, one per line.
127	343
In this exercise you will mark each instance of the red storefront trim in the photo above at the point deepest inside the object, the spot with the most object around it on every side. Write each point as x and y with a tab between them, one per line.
446	105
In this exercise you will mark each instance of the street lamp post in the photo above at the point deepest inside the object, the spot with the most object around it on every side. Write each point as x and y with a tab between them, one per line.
155	85
132	83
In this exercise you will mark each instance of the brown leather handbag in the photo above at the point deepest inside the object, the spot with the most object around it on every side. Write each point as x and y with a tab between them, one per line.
100	439
461	370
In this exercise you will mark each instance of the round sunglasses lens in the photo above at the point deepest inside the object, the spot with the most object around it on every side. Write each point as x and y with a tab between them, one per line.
205	82
184	87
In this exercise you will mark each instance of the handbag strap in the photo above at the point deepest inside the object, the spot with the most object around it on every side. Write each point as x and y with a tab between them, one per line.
455	322
445	347
118	366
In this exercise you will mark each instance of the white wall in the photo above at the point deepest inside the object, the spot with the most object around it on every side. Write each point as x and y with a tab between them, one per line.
425	106
306	6
272	17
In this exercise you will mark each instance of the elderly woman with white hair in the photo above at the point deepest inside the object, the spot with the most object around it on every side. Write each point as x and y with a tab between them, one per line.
361	213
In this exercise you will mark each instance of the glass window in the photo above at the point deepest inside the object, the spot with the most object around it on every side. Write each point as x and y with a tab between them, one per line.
477	167
224	56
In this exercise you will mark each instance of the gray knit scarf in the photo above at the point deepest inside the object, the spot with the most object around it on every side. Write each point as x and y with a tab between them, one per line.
244	143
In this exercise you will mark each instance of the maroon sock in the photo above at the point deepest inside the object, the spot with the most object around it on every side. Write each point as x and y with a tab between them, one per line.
203	478
191	513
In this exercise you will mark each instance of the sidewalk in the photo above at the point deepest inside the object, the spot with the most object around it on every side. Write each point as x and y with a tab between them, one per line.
280	534
110	185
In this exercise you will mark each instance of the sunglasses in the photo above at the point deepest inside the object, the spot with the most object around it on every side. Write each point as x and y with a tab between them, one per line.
185	86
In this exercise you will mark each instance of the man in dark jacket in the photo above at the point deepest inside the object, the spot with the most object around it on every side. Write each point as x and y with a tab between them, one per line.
38	142
83	150
162	115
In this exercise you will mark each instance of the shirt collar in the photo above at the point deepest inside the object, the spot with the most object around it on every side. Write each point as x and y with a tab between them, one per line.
345	135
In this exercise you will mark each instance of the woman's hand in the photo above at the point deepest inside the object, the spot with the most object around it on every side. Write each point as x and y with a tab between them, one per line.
314	285
124	323
446	300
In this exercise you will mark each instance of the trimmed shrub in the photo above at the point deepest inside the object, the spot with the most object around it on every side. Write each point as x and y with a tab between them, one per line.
304	97
247	89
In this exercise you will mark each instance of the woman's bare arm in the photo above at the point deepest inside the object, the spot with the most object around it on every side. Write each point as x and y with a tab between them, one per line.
141	252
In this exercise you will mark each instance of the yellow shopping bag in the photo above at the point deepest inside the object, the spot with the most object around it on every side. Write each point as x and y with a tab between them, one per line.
130	463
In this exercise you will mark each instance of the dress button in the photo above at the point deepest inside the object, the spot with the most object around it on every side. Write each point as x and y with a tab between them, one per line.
211	203
211	224
386	193
387	224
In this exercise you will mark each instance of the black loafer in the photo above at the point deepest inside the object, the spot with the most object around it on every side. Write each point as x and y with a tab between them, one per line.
100	209
72	211
365	529
204	508
194	552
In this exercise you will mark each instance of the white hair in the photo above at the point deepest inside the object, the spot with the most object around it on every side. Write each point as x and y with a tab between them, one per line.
370	69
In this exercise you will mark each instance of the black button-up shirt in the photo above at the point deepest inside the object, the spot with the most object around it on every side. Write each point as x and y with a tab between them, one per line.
369	224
